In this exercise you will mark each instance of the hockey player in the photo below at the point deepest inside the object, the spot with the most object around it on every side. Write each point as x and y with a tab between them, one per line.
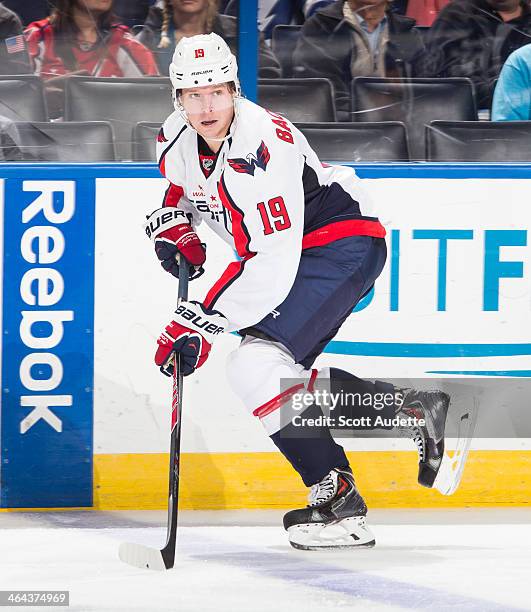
310	247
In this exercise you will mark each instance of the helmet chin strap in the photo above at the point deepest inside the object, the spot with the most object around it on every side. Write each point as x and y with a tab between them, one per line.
214	139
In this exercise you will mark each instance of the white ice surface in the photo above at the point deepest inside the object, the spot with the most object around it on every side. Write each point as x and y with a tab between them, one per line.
241	561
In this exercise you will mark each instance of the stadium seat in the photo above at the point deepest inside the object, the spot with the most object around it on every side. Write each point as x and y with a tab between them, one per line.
122	102
479	141
283	43
416	102
144	141
349	142
301	100
22	98
90	141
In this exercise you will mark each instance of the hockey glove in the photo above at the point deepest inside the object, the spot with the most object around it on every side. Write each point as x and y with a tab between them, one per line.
189	336
172	237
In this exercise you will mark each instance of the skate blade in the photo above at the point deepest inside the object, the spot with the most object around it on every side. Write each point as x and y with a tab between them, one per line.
351	532
451	469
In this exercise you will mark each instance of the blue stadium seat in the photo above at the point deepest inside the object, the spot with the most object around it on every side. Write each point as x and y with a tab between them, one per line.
122	102
479	141
416	102
85	141
22	98
298	99
351	142
144	141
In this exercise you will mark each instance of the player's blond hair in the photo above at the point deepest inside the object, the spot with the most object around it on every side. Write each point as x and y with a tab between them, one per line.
167	15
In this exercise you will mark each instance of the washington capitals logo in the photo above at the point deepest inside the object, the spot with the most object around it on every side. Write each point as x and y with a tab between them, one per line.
161	137
247	166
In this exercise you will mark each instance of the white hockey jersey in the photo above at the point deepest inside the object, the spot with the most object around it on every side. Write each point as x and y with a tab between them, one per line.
269	197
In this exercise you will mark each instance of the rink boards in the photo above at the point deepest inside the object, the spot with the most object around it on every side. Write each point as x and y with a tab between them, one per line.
85	413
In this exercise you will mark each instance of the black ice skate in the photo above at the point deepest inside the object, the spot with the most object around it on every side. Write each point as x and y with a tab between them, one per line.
334	517
436	468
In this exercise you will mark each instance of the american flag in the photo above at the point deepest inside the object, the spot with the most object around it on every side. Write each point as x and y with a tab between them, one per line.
15	44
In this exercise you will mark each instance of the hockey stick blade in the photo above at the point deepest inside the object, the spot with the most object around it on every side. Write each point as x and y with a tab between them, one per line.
147	557
143	557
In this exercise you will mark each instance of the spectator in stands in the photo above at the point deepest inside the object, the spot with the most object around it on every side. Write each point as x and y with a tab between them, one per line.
512	96
171	20
353	38
83	37
473	38
13	53
29	10
285	12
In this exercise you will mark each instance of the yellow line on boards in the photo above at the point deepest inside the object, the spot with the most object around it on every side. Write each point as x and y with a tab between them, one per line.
217	481
387	479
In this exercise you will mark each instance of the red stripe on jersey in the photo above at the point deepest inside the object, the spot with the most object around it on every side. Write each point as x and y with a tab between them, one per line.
172	196
239	231
343	229
162	160
232	271
311	384
277	401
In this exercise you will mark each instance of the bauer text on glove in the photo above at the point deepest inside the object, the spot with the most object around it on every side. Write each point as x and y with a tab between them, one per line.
171	233
189	337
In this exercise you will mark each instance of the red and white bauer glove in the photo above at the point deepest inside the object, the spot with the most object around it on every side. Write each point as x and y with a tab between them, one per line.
190	335
171	233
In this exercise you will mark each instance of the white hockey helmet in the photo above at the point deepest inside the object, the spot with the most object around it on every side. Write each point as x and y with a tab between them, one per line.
200	61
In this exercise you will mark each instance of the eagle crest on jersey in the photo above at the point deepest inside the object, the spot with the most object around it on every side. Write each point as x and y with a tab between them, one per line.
247	166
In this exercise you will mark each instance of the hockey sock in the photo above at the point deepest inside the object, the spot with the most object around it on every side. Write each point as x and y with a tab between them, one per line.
311	450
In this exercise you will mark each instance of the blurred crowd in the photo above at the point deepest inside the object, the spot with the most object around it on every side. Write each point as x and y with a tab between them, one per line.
487	41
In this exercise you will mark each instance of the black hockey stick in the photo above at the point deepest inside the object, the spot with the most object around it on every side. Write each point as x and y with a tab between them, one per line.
145	556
